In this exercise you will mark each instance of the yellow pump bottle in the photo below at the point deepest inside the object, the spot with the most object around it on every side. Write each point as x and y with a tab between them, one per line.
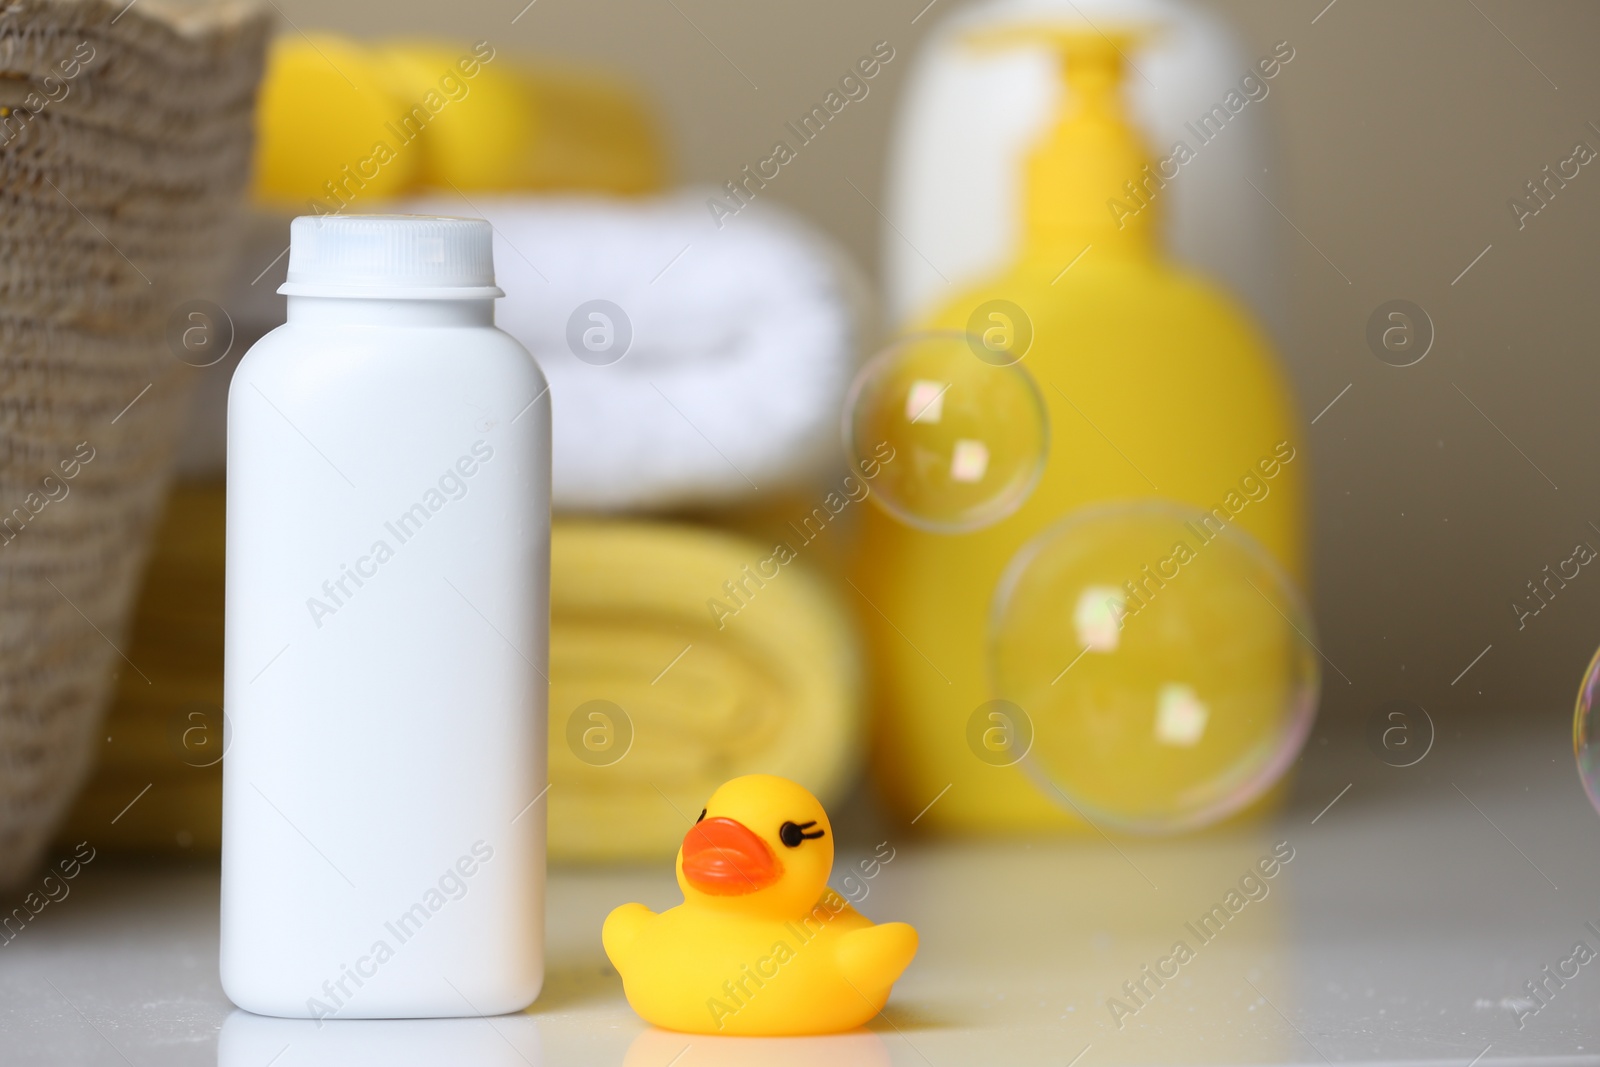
1157	385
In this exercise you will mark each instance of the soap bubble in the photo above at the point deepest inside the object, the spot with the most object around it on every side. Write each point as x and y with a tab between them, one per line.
1586	731
1164	660
949	442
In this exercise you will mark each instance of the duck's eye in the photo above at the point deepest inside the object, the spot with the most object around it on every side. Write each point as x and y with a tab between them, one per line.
791	834
702	815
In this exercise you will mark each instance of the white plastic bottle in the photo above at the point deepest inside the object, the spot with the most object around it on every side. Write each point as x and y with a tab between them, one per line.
387	636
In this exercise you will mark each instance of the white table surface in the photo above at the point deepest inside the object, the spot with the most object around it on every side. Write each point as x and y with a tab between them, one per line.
1403	930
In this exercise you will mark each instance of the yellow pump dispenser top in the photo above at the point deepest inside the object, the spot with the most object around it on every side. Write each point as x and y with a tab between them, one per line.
1092	150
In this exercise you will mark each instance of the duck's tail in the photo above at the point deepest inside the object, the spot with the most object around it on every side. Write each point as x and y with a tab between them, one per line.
621	927
873	957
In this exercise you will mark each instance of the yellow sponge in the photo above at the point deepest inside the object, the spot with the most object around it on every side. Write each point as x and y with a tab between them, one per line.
343	123
323	108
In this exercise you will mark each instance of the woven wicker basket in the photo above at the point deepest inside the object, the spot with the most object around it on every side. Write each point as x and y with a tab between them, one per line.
125	137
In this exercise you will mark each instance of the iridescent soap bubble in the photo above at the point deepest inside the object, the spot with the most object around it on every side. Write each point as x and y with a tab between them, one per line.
1586	731
951	442
1164	659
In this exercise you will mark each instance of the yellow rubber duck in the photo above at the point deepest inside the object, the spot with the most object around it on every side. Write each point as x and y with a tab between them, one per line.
760	945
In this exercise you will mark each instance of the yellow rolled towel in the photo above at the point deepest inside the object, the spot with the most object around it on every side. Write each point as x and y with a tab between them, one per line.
157	781
775	687
681	657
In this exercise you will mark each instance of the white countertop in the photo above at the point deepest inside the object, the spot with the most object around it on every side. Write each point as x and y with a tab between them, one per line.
1403	930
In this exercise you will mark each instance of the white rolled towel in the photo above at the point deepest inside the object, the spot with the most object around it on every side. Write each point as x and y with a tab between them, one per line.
717	365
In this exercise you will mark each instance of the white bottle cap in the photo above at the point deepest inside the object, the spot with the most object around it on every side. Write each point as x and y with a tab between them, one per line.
391	257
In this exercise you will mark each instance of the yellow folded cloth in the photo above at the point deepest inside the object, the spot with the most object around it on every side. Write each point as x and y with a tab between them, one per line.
723	656
344	123
655	698
157	781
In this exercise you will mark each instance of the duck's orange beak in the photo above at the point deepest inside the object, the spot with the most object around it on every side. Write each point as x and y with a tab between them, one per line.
724	857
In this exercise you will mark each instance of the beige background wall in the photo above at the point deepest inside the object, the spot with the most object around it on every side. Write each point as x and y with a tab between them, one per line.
1403	131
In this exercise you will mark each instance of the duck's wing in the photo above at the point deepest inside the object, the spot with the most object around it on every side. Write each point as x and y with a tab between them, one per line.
873	957
621	927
